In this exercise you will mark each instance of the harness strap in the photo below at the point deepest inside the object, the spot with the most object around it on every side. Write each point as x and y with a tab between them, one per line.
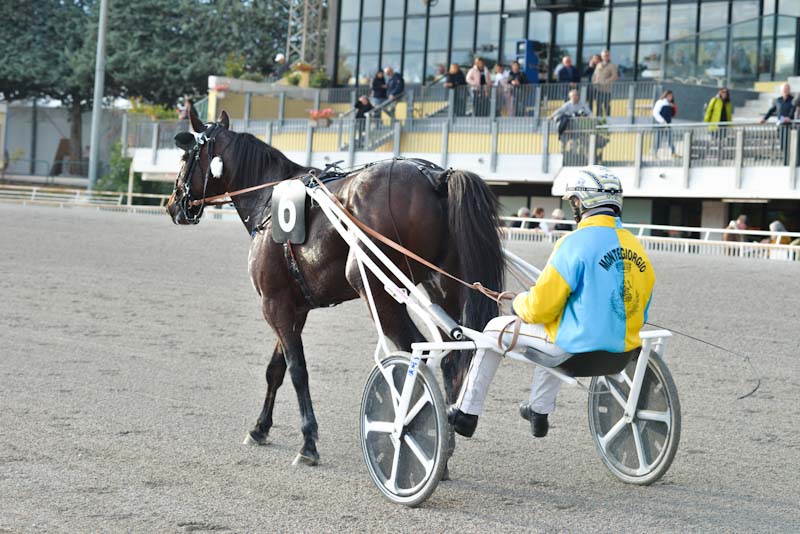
297	275
516	325
214	201
477	286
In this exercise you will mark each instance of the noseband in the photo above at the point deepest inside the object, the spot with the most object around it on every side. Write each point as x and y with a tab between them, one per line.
188	206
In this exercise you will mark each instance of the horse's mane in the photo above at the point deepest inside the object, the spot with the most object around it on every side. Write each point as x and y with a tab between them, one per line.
258	162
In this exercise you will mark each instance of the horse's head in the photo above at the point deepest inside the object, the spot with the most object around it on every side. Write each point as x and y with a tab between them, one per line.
202	172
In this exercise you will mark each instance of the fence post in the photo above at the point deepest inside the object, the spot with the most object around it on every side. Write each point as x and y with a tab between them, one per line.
492	102
493	156
367	129
592	148
445	143
247	97
398	129
793	159
637	159
546	147
317	99
632	103
123	135
410	104
687	156
537	102
451	104
154	143
583	92
738	157
309	143
351	146
268	133
339	131
281	106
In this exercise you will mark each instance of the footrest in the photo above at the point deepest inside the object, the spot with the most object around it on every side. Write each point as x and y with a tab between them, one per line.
545	359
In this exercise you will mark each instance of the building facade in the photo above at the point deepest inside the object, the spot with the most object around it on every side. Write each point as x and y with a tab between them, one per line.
746	40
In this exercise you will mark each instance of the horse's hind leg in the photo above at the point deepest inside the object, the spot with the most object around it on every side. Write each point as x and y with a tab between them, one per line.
276	370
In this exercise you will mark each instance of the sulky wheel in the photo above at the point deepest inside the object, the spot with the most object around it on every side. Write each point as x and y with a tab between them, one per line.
406	469
639	452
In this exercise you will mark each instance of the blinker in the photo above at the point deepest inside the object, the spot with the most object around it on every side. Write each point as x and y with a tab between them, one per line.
185	141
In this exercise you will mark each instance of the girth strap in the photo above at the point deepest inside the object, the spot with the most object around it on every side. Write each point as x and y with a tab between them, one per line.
297	275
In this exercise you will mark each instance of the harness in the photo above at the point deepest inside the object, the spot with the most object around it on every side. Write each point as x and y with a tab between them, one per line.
186	204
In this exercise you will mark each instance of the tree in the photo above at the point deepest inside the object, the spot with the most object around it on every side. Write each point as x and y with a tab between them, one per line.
47	51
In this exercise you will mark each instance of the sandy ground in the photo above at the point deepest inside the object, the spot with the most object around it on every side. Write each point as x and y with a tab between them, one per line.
132	357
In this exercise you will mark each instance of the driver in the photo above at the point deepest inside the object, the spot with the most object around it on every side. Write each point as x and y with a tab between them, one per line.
593	294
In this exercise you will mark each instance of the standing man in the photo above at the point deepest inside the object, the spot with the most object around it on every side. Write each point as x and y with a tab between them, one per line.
395	87
567	72
785	107
593	295
516	79
605	73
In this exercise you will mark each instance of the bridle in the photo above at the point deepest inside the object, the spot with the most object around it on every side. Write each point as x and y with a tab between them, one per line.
187	205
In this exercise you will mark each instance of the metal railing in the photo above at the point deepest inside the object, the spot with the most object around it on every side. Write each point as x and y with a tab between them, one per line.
64	196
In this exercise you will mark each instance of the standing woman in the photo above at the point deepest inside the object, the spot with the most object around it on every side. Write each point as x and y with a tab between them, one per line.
480	80
719	109
378	89
663	113
454	81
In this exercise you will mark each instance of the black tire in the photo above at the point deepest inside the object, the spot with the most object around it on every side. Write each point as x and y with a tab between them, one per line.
657	423
414	480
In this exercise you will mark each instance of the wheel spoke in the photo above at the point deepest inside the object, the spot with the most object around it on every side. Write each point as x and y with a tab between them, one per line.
612	433
412	413
383	427
426	462
637	439
389	378
391	482
614	391
650	415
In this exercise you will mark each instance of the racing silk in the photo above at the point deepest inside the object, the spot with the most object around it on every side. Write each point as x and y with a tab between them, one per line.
594	292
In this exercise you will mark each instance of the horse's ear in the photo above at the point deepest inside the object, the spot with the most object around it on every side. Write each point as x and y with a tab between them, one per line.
224	120
194	119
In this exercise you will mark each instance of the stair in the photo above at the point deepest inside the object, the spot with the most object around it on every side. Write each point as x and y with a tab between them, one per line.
754	109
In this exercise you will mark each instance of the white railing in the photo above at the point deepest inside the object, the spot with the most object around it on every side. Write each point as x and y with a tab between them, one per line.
708	243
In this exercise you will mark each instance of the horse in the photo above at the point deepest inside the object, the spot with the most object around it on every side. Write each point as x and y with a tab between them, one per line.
447	217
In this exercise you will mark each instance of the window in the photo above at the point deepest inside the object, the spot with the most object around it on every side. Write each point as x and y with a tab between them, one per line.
713	15
442	7
653	23
514	31
682	20
415	7
566	29
392	35
415	35
539	26
488	35
391	60
744	10
393	8
436	65
622	55
372	8
438	29
788	7
412	67
595	26
350	9
367	68
369	31
347	68
348	38
463	28
648	66
486	6
623	24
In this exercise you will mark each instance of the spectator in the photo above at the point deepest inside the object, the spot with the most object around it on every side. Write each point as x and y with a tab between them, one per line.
395	86
455	80
719	108
588	73
785	108
516	79
523	212
605	73
378	89
500	83
558	214
777	227
663	112
538	213
363	106
566	72
479	79
571	108
281	67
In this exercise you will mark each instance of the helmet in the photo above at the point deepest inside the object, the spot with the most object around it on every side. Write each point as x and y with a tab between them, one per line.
592	187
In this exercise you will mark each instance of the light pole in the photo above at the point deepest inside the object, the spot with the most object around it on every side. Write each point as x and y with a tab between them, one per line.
97	105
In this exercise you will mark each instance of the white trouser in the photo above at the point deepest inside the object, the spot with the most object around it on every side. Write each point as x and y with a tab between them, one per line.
484	365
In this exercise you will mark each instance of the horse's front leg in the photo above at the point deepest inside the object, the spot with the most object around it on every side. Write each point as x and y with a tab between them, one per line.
276	370
296	362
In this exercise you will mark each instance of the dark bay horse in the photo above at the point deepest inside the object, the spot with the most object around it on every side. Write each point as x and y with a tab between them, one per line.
449	218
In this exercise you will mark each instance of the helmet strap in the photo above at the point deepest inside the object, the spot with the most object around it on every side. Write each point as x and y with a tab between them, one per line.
575	204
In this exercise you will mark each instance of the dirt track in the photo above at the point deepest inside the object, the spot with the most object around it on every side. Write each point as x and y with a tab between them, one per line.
132	356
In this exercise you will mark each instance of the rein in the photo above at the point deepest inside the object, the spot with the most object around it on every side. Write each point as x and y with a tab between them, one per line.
215	200
496	296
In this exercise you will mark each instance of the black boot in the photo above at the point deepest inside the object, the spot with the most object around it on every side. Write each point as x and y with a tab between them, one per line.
463	423
539	424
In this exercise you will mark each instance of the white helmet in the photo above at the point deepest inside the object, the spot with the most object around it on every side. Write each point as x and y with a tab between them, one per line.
592	187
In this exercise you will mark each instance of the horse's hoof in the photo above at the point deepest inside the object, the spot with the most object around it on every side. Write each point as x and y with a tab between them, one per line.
254	439
301	459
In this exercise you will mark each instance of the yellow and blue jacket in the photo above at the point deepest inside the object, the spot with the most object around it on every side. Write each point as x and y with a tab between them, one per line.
595	291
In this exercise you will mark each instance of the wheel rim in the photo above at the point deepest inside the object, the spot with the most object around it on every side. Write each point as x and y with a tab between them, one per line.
400	466
633	449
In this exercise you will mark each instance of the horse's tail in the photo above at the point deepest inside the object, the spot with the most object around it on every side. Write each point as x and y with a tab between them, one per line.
474	229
